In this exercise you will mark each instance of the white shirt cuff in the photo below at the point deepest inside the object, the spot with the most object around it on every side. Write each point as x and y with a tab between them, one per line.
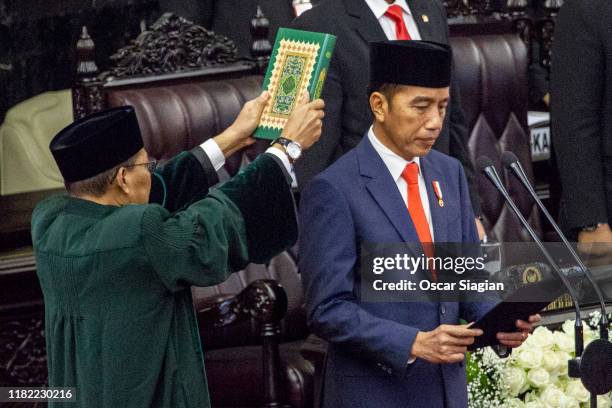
214	153
285	159
410	361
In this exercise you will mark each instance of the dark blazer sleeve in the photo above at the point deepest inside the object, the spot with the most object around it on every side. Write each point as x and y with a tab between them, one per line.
327	261
321	154
469	310
458	145
577	89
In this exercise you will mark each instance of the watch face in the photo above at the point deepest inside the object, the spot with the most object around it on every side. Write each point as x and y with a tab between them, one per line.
293	151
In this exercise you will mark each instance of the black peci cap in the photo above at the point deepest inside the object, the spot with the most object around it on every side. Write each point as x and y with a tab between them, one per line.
410	62
96	143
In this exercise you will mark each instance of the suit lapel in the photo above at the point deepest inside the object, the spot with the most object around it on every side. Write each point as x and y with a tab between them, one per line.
419	8
364	21
438	215
383	189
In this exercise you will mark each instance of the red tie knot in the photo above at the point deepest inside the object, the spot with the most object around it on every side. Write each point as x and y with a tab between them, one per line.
395	12
411	173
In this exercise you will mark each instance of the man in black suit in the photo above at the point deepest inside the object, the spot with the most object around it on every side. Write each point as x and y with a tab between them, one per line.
356	23
581	117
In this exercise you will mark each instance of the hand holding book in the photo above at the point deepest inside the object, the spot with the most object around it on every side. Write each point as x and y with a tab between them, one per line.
239	134
305	122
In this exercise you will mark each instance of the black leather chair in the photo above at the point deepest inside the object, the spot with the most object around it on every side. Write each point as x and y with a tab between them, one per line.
492	75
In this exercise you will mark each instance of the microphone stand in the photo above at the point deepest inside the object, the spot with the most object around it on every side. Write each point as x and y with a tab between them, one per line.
512	163
486	166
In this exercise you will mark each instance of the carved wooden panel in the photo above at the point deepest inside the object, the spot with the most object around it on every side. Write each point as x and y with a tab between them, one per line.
172	44
23	359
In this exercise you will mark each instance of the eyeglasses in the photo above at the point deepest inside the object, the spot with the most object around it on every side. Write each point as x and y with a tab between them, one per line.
151	165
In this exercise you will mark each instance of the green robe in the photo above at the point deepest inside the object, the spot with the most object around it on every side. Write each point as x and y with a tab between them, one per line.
119	319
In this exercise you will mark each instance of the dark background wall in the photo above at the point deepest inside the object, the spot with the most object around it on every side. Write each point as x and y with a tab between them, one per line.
37	39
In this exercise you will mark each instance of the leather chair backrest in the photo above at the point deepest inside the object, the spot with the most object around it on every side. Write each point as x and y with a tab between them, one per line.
492	74
179	116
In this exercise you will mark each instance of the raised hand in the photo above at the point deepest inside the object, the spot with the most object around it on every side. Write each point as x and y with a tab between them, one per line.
305	122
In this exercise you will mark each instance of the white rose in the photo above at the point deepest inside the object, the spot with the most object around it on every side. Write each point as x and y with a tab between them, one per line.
514	380
538	377
563	341
604	401
535	404
568	327
576	390
563	357
541	338
568	402
551	361
529	357
513	403
552	396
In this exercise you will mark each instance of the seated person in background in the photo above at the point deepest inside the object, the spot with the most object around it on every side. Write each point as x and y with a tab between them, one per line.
116	267
407	354
581	122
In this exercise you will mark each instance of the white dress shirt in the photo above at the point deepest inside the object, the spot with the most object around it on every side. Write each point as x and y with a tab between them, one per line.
217	159
396	165
379	8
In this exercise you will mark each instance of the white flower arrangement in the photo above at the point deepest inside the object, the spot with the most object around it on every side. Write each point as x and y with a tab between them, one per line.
534	375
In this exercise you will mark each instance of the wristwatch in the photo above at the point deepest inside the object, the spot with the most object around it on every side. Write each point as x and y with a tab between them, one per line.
293	149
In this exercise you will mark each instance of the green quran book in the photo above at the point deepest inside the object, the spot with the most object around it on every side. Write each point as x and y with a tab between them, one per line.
299	62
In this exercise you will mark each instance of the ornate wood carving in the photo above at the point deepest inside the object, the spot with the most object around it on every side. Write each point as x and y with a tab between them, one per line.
264	300
459	8
23	359
87	92
261	49
546	30
522	24
173	44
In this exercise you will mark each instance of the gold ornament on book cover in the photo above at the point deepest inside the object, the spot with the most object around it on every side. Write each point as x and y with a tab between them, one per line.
290	77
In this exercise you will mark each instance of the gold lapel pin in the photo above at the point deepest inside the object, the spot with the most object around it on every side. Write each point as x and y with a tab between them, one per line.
425	18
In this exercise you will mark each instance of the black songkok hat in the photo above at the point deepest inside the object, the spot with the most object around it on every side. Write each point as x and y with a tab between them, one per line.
96	143
410	62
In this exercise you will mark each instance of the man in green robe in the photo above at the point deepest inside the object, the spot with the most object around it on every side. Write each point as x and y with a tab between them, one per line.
116	266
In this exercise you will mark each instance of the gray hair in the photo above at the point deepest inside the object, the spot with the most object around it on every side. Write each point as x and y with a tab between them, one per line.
98	184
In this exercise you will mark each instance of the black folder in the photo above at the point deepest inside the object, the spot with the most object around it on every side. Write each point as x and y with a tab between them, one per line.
503	317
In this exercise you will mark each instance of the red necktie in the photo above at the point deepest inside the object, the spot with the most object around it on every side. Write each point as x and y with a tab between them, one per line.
396	14
417	213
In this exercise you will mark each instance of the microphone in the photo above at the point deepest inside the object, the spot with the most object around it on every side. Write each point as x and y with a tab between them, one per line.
595	366
512	163
485	165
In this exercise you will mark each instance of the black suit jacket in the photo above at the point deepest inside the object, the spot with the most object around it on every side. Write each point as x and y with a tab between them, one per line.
232	18
581	110
347	113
